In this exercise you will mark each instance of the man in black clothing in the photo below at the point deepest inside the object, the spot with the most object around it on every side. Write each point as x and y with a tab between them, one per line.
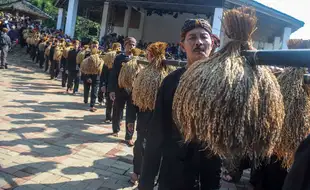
73	68
51	55
120	96
104	81
63	62
181	166
298	176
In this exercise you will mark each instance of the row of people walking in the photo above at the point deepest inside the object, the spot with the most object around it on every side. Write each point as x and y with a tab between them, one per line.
159	149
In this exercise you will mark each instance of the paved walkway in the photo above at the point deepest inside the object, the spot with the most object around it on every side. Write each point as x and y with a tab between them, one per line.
49	140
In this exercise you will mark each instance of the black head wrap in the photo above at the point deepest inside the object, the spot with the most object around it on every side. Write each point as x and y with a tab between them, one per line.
191	24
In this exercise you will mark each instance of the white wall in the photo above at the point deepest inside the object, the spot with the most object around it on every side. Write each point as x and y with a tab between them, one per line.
136	33
165	28
159	28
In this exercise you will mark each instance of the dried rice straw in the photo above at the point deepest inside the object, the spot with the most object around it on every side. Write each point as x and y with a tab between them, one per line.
296	96
58	53
148	80
234	108
129	70
92	64
109	58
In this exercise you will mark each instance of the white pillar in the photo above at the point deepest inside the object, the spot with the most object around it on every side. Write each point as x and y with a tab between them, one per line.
286	36
141	26
277	43
217	21
60	18
127	20
71	17
104	19
217	25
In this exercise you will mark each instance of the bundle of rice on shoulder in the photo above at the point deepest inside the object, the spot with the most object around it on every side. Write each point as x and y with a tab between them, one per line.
130	70
233	107
296	94
149	79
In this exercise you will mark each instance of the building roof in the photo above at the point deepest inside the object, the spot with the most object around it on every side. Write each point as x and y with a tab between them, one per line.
23	6
292	22
198	6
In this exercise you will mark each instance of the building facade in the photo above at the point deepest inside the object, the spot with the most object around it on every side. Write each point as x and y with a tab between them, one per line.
159	20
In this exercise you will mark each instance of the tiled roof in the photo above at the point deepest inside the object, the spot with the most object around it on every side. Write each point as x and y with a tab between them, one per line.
25	7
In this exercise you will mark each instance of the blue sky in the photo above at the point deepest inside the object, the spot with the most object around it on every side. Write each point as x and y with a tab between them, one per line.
299	9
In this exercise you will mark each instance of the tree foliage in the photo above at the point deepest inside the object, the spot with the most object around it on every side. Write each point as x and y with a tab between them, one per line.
82	24
48	7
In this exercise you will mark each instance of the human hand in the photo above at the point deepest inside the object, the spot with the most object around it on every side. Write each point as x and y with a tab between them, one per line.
112	96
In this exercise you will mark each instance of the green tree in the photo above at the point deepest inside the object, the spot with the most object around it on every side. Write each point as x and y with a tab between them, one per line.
82	24
48	7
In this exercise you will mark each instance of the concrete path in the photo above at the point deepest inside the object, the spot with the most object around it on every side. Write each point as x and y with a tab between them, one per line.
49	140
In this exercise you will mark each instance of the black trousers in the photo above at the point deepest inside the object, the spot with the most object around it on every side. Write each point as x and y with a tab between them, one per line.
46	63
42	58
55	68
64	73
73	76
28	50
33	52
269	176
121	99
64	77
143	119
108	103
94	85
37	54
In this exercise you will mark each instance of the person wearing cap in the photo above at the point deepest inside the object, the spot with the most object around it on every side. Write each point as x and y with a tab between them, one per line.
73	68
120	96
5	44
181	166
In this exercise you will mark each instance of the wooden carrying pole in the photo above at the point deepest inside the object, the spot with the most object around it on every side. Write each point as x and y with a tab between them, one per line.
282	58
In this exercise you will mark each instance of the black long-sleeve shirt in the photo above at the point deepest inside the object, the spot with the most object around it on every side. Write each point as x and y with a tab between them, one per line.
51	55
183	166
104	78
298	176
116	69
71	60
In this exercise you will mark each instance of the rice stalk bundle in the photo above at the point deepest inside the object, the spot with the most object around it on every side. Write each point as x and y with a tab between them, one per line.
146	85
66	52
36	41
128	73
236	109
47	50
80	57
109	59
42	46
92	65
296	96
130	70
28	40
58	53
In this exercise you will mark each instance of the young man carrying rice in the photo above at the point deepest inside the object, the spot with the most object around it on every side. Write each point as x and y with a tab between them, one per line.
182	165
120	96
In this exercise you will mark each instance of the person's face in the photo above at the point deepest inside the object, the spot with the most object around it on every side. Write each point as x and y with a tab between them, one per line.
197	44
129	46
